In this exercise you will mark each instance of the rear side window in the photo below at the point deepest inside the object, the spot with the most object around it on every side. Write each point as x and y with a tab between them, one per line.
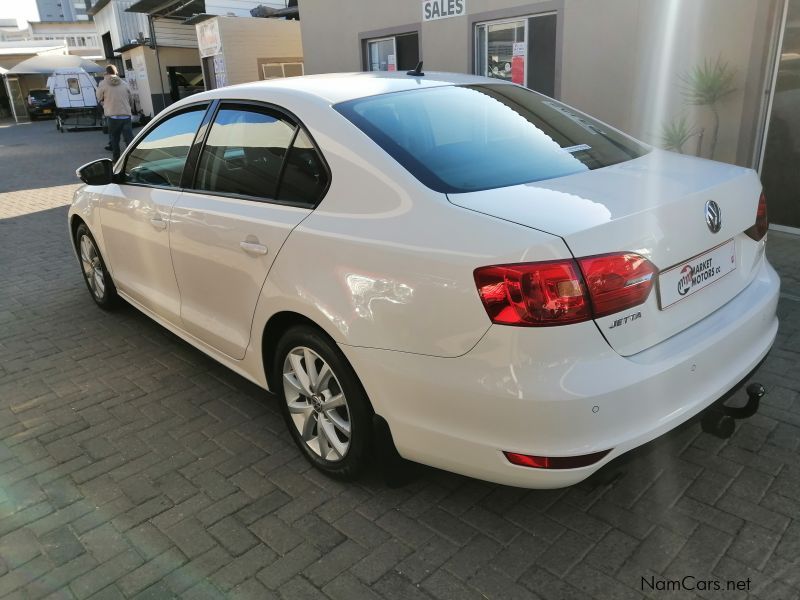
244	153
159	158
469	138
304	176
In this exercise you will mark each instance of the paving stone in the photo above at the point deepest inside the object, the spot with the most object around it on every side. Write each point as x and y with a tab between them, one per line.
61	545
133	466
234	536
333	562
190	537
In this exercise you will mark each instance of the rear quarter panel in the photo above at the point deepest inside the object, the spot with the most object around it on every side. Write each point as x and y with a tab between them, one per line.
384	262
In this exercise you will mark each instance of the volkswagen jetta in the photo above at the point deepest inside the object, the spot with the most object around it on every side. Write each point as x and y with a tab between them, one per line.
520	292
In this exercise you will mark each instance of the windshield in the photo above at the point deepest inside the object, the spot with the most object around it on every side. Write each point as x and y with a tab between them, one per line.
476	137
39	94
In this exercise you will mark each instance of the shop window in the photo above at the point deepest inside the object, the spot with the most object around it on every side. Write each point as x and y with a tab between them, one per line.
395	53
521	50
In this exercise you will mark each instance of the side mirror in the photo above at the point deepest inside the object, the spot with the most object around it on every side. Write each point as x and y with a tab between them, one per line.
98	172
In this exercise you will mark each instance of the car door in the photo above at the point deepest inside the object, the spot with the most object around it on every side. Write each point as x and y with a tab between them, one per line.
135	213
258	176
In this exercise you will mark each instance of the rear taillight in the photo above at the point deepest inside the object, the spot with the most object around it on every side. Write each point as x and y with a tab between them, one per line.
562	292
759	230
533	294
617	281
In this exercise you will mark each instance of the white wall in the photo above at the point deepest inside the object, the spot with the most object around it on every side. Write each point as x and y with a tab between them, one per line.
621	60
124	26
245	41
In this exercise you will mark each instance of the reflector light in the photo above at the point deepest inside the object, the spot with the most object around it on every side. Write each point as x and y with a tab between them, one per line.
554	462
759	230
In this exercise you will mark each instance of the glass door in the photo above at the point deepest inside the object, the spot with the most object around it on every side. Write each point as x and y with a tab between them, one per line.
382	55
500	50
521	50
780	174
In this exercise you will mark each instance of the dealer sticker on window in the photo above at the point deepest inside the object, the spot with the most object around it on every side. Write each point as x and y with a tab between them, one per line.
694	274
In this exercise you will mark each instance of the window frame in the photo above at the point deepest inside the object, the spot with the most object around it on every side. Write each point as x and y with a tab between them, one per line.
119	168
189	180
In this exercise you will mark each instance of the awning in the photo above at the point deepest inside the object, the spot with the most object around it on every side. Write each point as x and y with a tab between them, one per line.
47	63
131	46
168	8
198	18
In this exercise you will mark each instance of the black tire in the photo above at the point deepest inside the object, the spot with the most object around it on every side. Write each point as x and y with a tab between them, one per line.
357	405
105	294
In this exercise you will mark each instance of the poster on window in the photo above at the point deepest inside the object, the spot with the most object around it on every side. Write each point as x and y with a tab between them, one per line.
518	63
391	63
219	70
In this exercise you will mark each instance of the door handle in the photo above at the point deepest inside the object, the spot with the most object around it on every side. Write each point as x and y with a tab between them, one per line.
158	223
253	248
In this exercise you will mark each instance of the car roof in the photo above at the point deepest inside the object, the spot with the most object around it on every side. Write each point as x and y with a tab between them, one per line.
333	88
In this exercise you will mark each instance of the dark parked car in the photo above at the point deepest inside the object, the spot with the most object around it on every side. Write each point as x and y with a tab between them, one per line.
41	103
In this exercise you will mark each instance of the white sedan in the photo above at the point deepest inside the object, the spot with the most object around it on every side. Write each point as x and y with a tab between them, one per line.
506	287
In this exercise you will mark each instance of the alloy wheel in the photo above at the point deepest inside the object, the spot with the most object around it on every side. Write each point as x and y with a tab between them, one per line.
92	267
317	404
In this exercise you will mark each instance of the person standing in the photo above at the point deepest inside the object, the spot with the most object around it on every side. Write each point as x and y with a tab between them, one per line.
116	97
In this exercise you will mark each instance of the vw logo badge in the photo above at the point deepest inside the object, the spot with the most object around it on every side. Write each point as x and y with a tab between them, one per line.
713	216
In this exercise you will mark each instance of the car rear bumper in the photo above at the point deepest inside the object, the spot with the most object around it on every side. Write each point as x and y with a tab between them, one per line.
562	391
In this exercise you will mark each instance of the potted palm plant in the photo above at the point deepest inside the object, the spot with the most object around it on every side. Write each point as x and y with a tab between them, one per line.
707	85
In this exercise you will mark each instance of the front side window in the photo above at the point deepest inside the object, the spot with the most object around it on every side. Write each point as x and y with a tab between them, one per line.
244	152
158	159
469	138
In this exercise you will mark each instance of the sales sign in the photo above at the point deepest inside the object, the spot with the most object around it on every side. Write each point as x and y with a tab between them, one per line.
442	9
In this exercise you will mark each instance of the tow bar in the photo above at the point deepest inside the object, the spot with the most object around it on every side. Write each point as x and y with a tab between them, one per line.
719	419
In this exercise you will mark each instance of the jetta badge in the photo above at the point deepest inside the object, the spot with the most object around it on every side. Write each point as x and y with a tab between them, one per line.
713	216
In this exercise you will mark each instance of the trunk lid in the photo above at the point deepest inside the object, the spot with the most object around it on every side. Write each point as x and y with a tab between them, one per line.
654	206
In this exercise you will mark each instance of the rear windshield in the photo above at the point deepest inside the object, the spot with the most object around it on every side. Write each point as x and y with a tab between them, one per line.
477	137
40	94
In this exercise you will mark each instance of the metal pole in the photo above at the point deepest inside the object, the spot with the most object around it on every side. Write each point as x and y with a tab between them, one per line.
773	80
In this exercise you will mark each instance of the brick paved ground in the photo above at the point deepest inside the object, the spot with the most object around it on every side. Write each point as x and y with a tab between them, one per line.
133	466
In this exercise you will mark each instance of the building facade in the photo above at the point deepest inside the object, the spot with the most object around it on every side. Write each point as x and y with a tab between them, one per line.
80	37
631	63
64	10
242	49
